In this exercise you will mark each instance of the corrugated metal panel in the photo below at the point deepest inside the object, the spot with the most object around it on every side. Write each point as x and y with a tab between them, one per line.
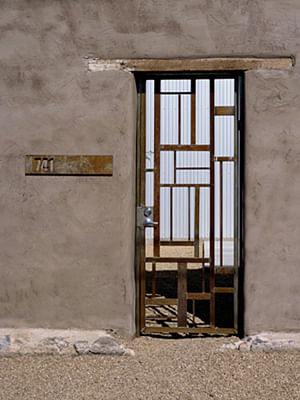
224	146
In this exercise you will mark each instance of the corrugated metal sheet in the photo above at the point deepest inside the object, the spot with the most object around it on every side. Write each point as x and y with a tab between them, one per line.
224	146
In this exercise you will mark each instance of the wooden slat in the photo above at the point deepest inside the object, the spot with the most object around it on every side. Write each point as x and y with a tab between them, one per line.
224	290
171	211
189	215
221	214
208	330
153	276
184	185
176	92
221	110
156	209
179	119
176	260
192	168
203	269
181	293
212	203
193	119
142	201
184	147
196	221
224	271
224	159
160	302
142	279
198	296
177	243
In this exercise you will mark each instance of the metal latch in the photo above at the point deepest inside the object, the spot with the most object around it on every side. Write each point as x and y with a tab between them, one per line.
144	217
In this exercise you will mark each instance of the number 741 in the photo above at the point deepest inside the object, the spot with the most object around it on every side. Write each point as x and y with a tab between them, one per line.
44	164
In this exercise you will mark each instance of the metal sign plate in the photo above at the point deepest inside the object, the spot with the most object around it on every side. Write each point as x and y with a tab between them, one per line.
68	165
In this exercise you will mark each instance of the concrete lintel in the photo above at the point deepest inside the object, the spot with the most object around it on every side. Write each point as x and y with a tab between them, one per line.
199	64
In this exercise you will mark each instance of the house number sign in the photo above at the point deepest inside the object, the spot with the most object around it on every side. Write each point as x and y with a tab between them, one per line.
68	165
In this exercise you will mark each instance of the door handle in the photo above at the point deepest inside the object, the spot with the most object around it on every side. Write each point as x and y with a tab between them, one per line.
149	223
144	218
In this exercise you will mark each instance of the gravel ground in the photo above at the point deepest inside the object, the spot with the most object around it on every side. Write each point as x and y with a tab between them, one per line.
162	368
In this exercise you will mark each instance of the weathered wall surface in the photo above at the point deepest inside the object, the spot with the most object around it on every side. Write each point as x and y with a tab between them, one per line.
67	243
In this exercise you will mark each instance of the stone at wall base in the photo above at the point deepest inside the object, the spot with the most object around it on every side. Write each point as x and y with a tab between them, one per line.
108	346
266	343
48	341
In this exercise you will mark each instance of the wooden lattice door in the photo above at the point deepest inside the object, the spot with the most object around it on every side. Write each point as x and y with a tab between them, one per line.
188	203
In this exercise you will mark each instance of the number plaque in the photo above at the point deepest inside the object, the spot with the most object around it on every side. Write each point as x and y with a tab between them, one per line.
68	165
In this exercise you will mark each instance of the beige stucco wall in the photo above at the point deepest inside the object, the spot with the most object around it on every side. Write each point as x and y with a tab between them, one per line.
272	270
67	242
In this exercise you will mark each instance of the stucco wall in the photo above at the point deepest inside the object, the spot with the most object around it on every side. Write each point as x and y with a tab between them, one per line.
67	242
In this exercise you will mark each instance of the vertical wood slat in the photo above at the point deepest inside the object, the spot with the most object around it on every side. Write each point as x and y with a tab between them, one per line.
203	268
193	111
171	213
212	204
196	221
193	119
175	168
142	280
153	279
221	213
179	119
171	198
189	213
181	294
194	312
156	209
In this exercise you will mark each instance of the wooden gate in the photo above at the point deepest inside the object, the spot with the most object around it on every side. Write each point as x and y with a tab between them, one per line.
188	231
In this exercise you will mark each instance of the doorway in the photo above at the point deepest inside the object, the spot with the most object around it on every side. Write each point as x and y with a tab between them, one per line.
189	203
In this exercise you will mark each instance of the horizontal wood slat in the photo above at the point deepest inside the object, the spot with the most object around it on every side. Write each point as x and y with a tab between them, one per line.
185	147
176	260
160	302
176	243
184	185
224	270
166	329
224	158
221	110
223	290
198	296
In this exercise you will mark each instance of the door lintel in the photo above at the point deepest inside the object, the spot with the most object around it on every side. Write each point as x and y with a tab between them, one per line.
190	64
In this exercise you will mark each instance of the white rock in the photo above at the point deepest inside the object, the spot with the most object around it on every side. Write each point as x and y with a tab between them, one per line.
245	346
107	345
82	347
5	343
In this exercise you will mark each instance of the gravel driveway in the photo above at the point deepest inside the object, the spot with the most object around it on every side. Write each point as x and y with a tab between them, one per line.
162	368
